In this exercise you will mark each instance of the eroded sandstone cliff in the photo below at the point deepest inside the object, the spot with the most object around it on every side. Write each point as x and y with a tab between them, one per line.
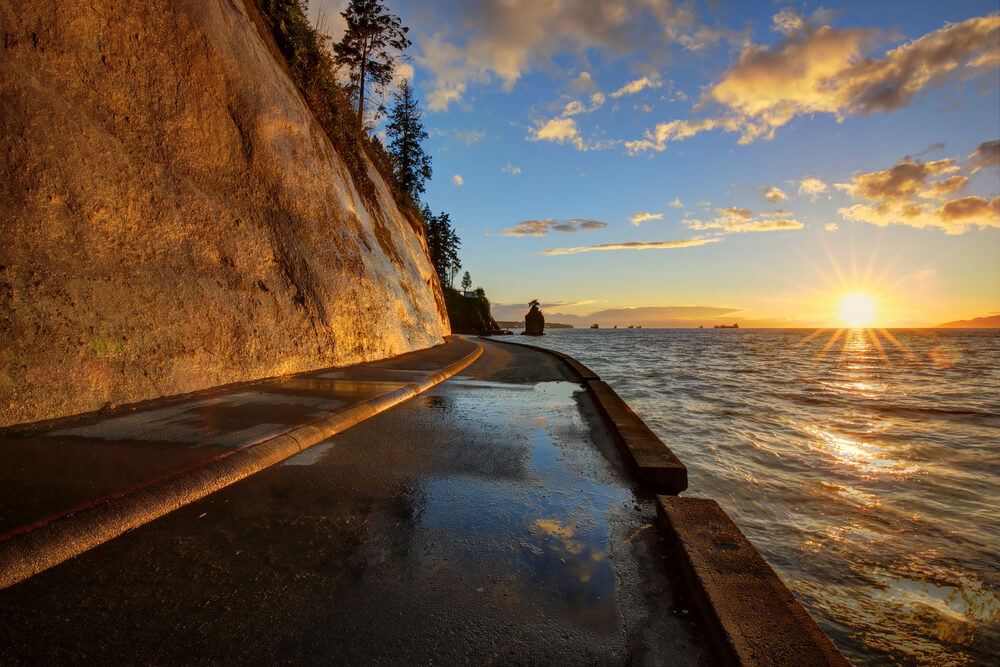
173	218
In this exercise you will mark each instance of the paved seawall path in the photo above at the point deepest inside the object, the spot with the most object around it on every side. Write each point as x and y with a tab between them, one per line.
488	520
477	502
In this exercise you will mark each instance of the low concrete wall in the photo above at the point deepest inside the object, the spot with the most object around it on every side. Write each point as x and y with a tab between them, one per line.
650	459
753	618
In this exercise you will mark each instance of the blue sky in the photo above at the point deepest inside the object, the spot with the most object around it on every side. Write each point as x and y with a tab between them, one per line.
676	164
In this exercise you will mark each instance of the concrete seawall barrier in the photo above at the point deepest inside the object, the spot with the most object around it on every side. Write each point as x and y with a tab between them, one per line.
649	458
751	615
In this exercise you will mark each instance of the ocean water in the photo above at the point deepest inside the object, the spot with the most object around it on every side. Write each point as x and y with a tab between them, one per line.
863	464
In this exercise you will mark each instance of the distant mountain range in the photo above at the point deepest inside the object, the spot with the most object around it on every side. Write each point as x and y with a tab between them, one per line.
988	322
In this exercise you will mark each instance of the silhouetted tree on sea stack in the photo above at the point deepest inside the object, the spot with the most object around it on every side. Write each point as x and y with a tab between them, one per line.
466	281
534	321
371	46
405	132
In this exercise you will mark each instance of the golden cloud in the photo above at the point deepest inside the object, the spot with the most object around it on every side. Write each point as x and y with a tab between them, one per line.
973	209
643	216
542	227
734	219
774	194
823	70
630	245
986	155
914	193
905	179
811	187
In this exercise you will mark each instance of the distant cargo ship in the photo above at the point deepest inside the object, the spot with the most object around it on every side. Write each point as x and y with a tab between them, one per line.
734	325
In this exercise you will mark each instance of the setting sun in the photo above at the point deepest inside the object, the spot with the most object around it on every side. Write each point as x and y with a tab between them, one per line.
857	309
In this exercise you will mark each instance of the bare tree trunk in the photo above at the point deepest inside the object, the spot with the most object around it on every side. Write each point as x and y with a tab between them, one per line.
361	87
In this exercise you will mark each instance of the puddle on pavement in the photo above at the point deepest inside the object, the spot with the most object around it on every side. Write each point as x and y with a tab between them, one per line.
540	538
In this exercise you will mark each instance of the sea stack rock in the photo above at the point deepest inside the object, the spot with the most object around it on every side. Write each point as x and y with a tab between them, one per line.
534	322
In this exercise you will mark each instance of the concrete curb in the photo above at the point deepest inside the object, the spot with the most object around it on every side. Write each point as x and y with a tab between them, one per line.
27	552
651	460
752	616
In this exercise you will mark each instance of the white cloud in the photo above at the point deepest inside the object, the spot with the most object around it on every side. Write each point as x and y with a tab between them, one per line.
558	130
564	131
458	180
403	72
643	216
633	87
479	41
787	21
582	84
831	226
676	203
511	169
677	130
576	107
811	187
774	194
631	245
470	137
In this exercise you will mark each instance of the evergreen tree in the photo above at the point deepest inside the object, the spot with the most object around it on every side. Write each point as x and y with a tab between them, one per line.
442	244
406	132
466	281
371	46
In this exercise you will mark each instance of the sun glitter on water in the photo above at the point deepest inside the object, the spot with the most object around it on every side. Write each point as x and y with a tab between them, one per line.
857	309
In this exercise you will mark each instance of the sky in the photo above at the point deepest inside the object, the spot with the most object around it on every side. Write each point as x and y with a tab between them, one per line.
682	164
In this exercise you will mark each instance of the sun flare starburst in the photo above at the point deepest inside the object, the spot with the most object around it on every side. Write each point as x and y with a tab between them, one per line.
857	309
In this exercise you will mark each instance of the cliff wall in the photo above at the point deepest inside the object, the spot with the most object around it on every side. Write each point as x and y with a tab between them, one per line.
172	217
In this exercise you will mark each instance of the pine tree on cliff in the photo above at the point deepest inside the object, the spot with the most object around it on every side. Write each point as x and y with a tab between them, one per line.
406	132
371	47
442	244
466	281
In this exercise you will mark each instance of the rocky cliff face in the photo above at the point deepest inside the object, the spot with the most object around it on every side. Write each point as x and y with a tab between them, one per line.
173	218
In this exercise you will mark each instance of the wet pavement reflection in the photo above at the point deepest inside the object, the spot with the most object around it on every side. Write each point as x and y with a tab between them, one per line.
541	533
50	468
487	521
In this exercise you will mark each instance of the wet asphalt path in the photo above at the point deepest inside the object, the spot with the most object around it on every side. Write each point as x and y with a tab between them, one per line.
50	467
486	521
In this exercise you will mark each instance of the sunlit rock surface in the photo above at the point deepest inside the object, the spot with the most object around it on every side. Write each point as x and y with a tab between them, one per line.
172	217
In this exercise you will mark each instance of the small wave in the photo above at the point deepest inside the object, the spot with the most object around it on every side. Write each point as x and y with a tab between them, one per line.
929	410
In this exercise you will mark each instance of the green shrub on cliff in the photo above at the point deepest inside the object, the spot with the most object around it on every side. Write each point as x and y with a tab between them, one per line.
313	68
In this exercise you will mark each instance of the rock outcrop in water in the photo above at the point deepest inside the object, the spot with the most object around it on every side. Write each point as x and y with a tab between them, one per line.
172	216
534	322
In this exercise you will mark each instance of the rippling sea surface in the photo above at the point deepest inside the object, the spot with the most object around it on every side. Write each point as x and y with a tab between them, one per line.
863	464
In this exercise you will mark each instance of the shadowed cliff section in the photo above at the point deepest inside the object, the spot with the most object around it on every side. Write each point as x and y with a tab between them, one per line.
174	218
